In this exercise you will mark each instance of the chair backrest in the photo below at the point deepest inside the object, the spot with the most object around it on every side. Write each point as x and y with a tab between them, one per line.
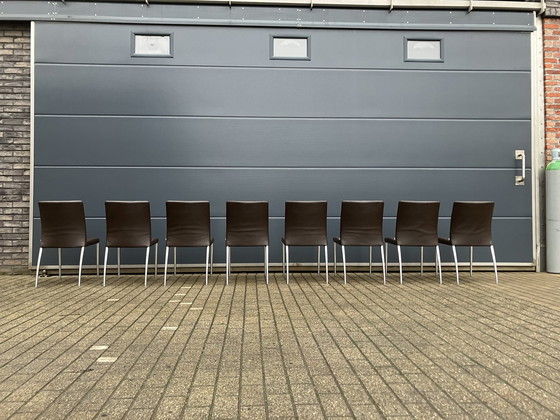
417	223
247	223
188	223
305	223
63	224
361	223
128	224
471	223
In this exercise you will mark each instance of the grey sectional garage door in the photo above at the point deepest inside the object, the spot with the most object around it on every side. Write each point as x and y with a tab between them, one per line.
222	121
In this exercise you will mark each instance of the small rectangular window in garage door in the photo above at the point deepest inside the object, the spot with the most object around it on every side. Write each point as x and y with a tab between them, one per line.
423	50
290	48
152	45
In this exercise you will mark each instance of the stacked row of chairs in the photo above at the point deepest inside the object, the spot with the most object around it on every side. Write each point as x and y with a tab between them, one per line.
63	225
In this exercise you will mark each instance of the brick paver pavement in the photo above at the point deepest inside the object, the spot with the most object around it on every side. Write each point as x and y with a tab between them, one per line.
306	350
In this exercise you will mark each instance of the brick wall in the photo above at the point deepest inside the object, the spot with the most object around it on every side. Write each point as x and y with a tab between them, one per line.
551	54
15	82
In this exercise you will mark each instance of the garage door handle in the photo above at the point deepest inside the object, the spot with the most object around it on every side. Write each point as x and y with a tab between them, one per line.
520	179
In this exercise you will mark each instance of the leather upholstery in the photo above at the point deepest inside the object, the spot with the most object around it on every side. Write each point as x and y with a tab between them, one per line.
471	224
63	225
247	223
417	224
128	224
361	223
188	224
305	223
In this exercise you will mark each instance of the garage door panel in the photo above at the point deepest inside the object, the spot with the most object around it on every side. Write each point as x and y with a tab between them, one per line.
222	121
251	47
95	185
202	142
126	90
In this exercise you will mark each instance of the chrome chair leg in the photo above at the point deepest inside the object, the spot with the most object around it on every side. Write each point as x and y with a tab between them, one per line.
422	261
438	264
383	265
155	260
386	257
370	259
174	260
118	262
211	258
494	261
165	266
38	267
59	262
400	261
80	266
287	264
471	258
318	260
228	255
105	265
266	263
454	248
146	266
327	263
334	256
344	262
207	257
97	257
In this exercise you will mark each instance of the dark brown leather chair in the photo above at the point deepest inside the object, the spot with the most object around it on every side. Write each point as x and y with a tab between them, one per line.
63	225
361	224
188	225
417	225
246	226
471	225
305	224
129	226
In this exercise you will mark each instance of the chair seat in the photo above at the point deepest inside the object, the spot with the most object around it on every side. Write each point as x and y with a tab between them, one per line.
391	240
465	241
339	241
92	241
445	241
306	241
395	241
175	242
88	242
125	244
248	239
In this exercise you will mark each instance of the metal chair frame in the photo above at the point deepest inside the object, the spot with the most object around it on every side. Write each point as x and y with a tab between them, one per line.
71	211
473	219
244	224
290	215
407	225
187	208
141	206
361	224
